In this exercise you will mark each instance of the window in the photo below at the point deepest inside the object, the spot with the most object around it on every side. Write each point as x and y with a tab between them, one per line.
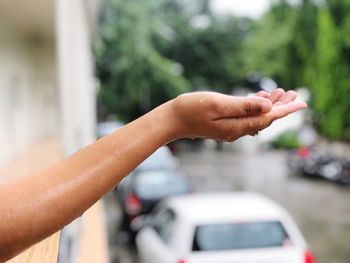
247	235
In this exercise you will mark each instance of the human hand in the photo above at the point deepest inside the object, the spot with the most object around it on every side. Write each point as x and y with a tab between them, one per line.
227	118
278	96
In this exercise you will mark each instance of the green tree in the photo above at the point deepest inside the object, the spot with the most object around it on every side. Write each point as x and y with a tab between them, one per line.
134	76
340	10
301	48
208	47
150	51
331	84
211	56
266	47
308	45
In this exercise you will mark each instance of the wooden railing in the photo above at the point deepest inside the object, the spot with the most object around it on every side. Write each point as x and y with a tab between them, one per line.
46	251
33	158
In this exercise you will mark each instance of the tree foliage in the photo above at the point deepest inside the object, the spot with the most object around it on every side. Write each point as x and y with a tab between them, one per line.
134	76
209	49
307	44
149	51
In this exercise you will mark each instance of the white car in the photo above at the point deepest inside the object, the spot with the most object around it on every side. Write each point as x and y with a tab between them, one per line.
221	228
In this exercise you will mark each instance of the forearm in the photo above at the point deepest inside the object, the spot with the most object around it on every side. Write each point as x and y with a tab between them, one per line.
39	205
36	206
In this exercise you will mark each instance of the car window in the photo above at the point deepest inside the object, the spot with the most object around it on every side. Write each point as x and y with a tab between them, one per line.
160	159
163	223
247	235
159	184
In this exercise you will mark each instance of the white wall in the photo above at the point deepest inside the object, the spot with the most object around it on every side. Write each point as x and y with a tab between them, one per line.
28	92
47	88
76	81
77	95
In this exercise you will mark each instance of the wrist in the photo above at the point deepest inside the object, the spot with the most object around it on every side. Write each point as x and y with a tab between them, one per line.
168	121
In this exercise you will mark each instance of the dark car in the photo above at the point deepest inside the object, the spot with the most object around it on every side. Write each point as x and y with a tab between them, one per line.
153	180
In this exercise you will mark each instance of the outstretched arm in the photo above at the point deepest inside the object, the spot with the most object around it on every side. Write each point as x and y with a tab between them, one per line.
36	206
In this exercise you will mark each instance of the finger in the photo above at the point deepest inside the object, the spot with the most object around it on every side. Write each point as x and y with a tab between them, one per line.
233	128
263	94
236	107
252	125
283	110
287	97
275	95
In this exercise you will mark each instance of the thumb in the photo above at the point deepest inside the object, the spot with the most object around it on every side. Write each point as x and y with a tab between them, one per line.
236	107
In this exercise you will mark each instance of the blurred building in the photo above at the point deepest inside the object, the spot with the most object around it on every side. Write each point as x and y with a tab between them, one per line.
29	103
47	87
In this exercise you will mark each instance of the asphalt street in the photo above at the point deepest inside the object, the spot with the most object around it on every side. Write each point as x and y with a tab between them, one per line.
321	209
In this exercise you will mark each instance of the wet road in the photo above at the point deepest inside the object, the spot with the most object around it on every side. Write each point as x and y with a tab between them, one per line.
321	209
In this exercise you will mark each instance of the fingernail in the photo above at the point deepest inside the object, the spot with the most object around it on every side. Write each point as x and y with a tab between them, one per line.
304	104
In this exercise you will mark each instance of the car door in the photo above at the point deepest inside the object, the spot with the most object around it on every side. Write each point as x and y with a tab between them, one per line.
153	241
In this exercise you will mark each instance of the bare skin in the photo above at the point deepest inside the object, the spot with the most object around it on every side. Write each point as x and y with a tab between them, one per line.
38	205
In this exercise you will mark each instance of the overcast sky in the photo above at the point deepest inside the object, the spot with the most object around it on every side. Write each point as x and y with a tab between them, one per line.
251	8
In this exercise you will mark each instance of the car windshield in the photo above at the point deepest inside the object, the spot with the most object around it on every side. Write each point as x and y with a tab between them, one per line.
159	184
247	235
160	159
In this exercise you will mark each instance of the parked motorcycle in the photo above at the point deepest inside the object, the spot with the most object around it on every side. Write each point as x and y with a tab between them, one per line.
344	177
314	163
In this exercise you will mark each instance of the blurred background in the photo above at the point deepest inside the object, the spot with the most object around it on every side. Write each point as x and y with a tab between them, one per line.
74	71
